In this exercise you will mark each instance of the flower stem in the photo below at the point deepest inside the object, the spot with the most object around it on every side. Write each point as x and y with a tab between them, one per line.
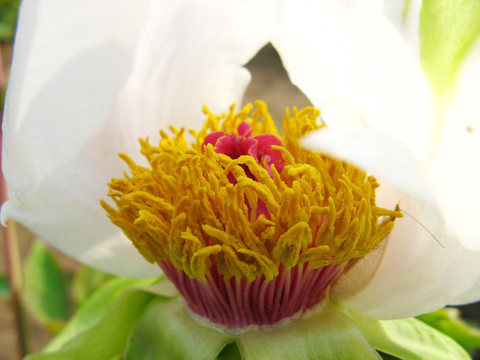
12	258
14	272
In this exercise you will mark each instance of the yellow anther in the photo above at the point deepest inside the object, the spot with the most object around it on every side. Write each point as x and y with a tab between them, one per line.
291	243
194	207
200	261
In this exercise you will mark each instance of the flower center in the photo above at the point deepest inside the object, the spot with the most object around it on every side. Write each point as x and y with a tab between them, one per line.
250	228
259	147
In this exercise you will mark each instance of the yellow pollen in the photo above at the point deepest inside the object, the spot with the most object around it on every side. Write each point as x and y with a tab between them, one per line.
184	208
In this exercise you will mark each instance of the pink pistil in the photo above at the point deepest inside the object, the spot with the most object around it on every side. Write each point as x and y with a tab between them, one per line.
259	147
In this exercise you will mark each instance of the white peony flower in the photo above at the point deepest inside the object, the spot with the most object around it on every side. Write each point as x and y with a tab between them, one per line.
89	78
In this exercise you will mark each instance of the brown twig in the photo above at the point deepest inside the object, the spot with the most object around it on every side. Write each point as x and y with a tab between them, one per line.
12	257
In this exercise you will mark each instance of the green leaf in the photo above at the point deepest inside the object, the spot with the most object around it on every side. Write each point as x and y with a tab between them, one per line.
4	288
45	291
167	332
8	19
409	339
4	3
94	309
107	338
448	29
86	281
328	335
449	322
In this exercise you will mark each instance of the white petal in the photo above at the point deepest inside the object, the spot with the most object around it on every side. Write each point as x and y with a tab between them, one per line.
404	14
410	20
342	115
189	55
63	206
472	293
65	211
383	156
417	274
331	51
393	9
455	166
70	60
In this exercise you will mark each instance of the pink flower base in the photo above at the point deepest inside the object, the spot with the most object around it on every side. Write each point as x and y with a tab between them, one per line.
238	303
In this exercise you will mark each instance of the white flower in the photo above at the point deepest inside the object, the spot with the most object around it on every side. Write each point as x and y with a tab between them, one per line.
89	78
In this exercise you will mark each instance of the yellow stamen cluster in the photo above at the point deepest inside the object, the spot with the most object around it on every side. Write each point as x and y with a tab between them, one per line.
185	209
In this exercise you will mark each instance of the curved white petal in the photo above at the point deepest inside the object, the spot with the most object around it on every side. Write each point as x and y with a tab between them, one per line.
65	211
332	51
63	207
189	56
343	115
383	156
69	61
410	21
404	14
454	169
393	9
417	274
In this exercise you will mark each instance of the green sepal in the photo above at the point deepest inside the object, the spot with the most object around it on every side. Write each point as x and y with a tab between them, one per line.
45	291
327	335
449	322
100	329
447	31
409	339
167	332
